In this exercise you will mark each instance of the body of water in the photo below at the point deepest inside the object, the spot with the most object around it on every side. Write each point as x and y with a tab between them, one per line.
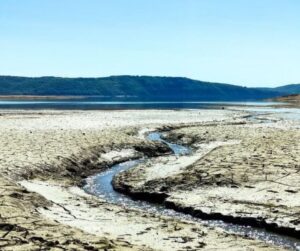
86	104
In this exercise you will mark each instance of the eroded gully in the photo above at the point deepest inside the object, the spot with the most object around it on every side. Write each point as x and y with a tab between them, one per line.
101	185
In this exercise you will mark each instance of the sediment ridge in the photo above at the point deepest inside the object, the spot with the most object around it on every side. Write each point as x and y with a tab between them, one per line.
176	189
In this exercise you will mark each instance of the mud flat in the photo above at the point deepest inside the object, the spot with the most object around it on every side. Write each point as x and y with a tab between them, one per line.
243	173
46	154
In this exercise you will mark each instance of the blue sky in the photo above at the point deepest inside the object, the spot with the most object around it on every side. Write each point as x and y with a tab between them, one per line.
245	42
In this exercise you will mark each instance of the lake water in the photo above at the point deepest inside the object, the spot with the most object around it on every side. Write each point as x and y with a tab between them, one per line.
95	104
86	104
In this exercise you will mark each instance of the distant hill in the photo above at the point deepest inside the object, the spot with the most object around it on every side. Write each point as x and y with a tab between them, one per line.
137	88
289	89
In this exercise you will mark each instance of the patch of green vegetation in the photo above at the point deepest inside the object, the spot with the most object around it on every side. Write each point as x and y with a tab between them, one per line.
133	88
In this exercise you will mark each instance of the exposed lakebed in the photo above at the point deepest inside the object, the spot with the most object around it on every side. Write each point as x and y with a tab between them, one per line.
101	186
66	146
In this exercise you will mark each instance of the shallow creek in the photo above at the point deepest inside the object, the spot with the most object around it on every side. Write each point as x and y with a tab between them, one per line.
101	185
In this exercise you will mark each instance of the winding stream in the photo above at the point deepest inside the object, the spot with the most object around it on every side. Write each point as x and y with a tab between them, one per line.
100	185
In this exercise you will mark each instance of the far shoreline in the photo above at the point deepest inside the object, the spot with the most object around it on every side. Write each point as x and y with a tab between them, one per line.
39	97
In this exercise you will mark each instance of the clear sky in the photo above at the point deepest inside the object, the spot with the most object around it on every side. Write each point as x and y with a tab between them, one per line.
245	42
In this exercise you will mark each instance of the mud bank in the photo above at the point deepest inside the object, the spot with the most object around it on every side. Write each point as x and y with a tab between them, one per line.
140	229
24	228
253	182
57	150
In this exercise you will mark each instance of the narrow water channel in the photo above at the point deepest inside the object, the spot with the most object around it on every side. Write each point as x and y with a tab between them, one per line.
101	185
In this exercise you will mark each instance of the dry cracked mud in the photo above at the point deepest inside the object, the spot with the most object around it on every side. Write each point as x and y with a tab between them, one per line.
251	176
46	154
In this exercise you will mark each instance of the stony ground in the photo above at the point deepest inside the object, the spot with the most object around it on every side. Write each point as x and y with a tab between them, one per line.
49	152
